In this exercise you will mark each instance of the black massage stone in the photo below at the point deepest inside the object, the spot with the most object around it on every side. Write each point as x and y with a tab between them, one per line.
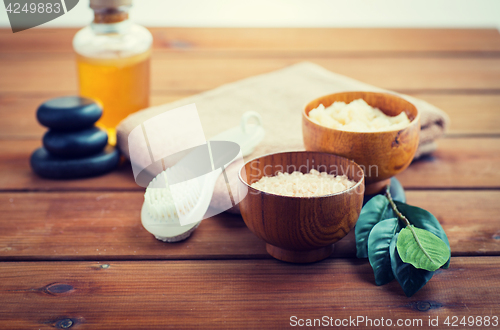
53	167
69	113
82	143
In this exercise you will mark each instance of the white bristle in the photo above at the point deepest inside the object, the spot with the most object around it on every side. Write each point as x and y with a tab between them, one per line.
159	201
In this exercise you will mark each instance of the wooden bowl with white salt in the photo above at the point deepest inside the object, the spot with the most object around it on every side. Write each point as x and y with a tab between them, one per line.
303	226
381	154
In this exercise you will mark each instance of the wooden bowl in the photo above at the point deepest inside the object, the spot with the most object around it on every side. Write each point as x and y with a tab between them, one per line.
381	154
300	229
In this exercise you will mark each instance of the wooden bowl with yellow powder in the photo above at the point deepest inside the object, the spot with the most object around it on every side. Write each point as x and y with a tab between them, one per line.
383	145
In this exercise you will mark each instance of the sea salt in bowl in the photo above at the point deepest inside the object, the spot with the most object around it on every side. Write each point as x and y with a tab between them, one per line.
381	154
300	229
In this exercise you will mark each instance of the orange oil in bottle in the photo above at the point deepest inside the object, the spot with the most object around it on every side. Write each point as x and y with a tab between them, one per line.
120	85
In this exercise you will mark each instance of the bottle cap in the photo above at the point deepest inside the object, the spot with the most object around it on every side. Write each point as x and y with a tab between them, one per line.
101	4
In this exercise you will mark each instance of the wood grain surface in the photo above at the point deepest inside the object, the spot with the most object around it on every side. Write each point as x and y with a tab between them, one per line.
232	294
460	162
179	72
73	254
106	226
17	111
364	41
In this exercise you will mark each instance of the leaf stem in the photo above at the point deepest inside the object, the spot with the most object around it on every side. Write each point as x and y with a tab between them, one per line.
406	221
395	208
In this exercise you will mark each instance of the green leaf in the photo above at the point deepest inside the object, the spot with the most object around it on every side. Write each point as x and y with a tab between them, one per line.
373	212
422	249
423	219
378	249
410	278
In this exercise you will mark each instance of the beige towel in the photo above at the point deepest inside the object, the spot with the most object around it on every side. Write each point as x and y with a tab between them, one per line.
279	97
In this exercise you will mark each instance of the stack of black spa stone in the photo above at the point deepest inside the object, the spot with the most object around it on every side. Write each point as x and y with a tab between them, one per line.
72	147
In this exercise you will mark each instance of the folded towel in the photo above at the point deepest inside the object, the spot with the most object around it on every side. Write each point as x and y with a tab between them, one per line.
279	96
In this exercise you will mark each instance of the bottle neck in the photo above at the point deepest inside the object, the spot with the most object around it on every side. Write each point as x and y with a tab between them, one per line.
111	20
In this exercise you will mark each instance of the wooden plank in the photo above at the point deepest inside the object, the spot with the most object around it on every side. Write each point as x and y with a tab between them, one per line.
40	72
98	226
332	40
458	163
18	112
276	39
16	174
234	294
106	225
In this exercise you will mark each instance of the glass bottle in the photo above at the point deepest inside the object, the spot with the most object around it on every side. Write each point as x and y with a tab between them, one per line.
113	56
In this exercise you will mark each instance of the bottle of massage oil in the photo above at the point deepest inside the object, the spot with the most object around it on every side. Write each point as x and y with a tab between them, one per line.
113	56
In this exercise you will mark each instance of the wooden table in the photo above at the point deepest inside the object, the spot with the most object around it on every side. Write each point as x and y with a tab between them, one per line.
74	254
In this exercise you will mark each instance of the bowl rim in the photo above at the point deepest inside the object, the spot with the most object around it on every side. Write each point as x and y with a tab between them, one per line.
413	122
360	182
